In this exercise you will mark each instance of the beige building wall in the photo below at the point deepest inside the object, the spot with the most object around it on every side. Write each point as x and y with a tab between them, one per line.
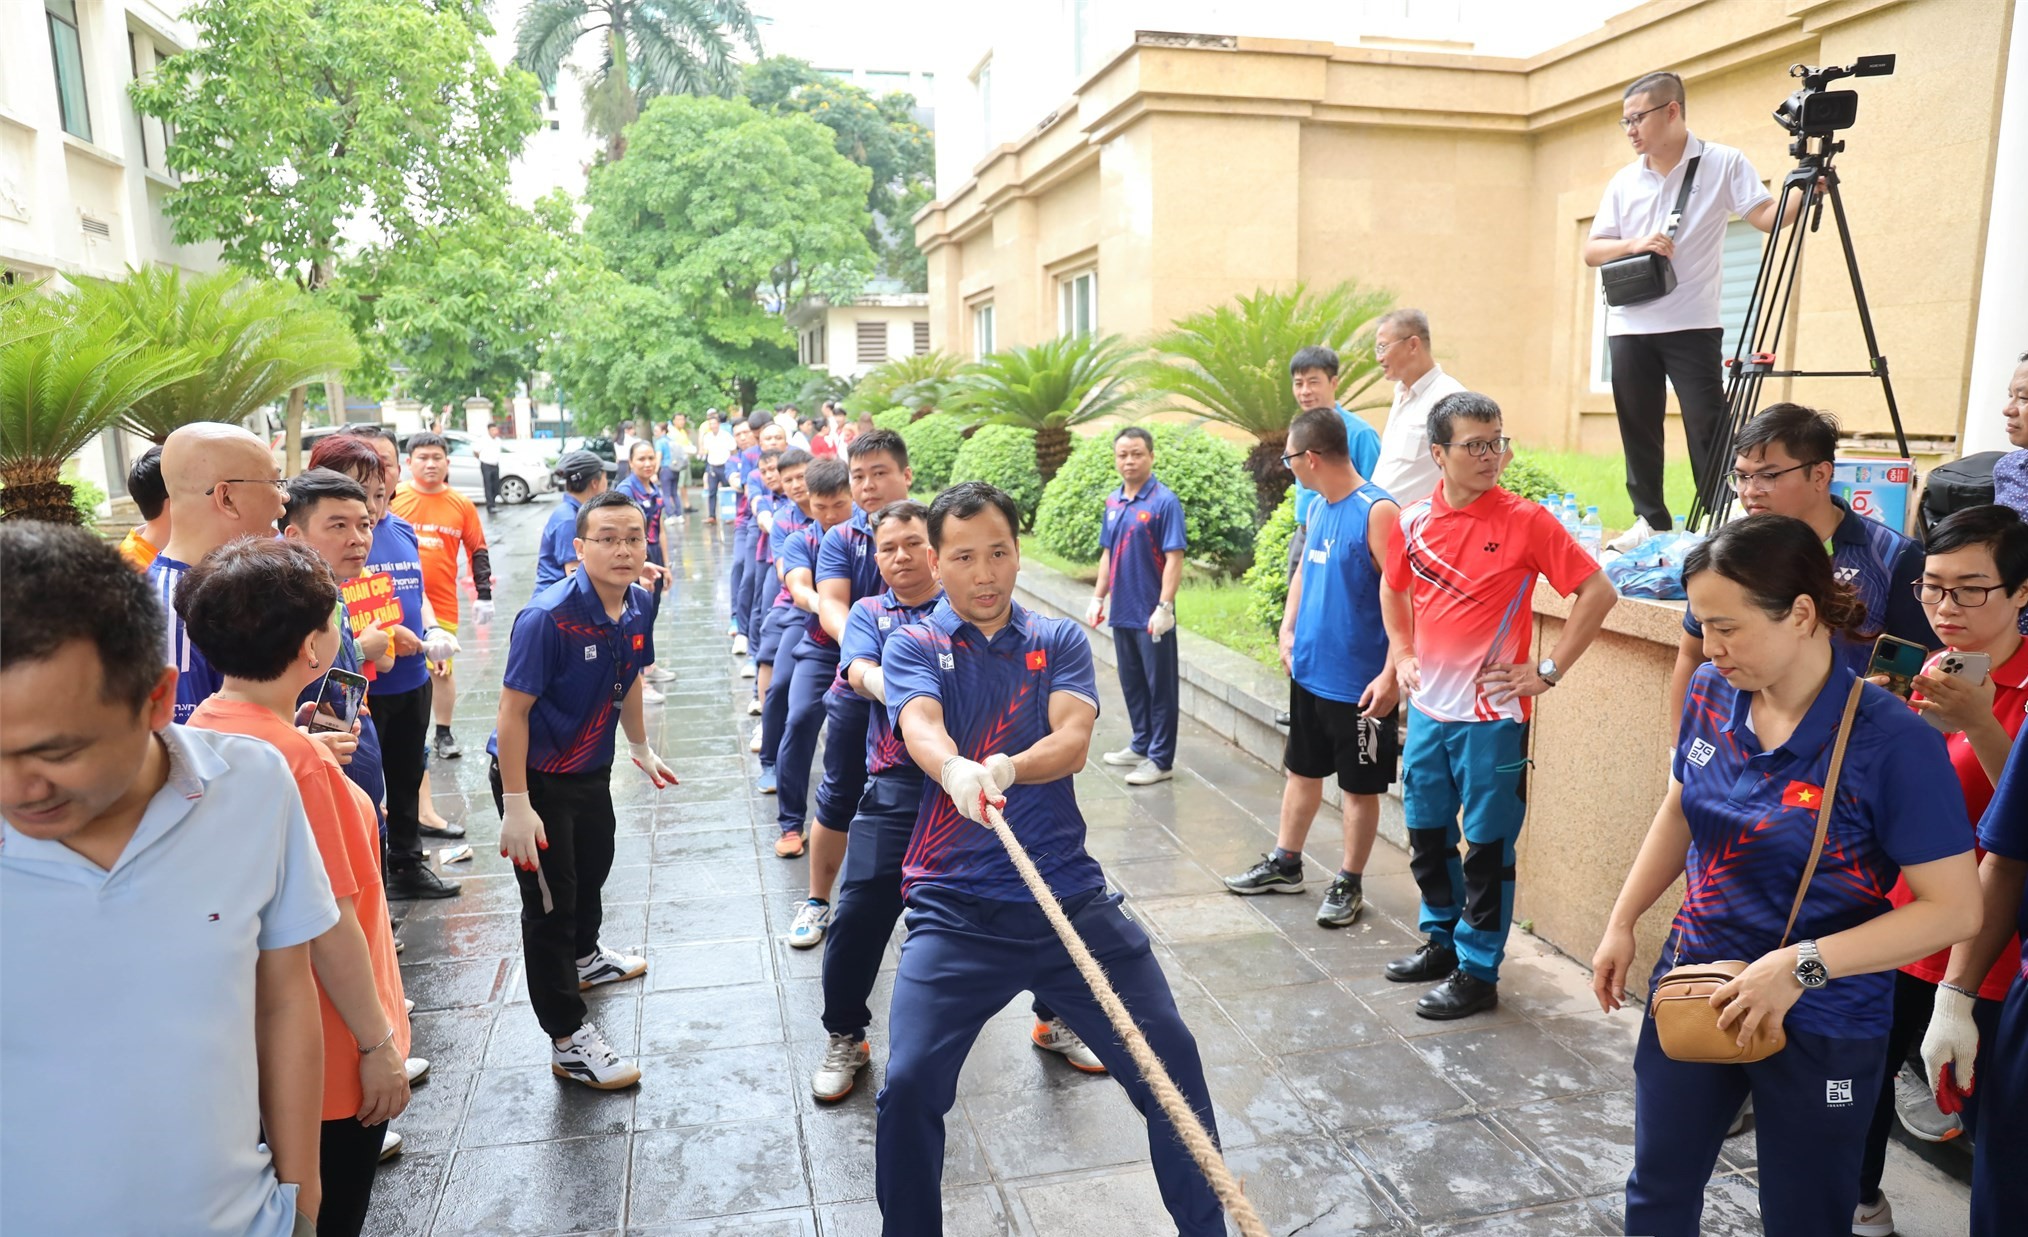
1190	169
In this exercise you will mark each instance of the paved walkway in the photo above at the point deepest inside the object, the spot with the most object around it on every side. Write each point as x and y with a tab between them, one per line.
1344	1112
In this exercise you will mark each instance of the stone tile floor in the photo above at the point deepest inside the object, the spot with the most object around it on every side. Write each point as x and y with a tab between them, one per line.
1344	1112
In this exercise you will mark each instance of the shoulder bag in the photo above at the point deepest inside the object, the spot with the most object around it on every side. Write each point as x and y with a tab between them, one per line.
1685	1023
1642	277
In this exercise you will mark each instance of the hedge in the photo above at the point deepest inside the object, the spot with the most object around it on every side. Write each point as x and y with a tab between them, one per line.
895	419
933	444
1530	480
1267	581
1002	455
1207	473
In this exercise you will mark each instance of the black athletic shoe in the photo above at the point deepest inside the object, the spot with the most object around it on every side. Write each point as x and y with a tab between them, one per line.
1429	961
1342	902
1282	720
409	881
1460	996
447	746
1268	876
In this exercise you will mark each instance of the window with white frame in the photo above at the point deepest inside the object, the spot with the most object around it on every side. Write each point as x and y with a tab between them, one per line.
66	49
1077	303
811	351
982	330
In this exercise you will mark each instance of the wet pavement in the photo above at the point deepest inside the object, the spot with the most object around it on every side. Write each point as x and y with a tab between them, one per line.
1343	1112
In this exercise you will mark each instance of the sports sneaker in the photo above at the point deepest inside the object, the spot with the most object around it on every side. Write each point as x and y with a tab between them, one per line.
1269	876
753	709
767	782
1342	902
1054	1036
789	845
651	694
1915	1104
390	1146
739	646
418	1068
589	1060
812	917
447	746
408	1005
1124	757
747	670
1628	540
1875	1220
609	966
657	674
835	1075
1147	773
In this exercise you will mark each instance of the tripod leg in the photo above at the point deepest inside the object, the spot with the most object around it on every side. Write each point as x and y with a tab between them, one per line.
1877	362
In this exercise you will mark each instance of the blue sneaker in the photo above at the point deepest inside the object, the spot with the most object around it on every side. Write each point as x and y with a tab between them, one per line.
766	782
812	917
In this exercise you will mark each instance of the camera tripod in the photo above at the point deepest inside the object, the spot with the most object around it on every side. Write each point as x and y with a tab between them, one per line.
1809	184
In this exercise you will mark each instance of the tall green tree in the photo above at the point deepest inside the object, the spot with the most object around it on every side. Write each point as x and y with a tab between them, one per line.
646	48
296	119
628	350
733	215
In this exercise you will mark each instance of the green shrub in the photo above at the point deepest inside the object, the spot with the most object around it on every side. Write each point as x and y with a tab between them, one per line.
87	495
1268	579
932	444
1207	473
1002	455
896	419
1530	480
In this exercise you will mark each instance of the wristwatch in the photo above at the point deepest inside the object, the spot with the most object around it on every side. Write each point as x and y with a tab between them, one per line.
1810	972
1548	671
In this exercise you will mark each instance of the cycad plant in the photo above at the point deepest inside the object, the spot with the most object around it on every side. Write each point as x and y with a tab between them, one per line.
1231	363
256	339
1048	388
67	371
919	383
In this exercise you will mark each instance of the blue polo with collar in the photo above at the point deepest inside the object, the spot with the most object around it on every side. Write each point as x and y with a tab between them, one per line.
557	548
579	664
847	554
995	696
874	621
1752	816
800	552
1140	533
2004	828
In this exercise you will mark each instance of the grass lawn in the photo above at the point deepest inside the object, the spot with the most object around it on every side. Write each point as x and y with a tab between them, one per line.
1212	607
1601	481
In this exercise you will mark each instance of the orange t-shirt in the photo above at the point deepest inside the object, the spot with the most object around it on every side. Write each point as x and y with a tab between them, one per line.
136	550
444	523
348	839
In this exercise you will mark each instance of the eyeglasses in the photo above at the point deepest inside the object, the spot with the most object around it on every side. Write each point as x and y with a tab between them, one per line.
1631	119
1742	482
1293	454
617	543
1380	350
278	482
1480	448
1964	596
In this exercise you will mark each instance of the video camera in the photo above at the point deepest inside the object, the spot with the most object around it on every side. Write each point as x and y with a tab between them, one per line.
1816	112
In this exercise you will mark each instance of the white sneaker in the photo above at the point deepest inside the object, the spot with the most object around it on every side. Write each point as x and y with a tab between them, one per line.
753	708
659	675
609	966
1874	1221
1054	1036
418	1069
747	670
739	646
589	1060
754	744
1148	774
650	694
834	1077
408	1006
390	1146
1125	756
812	917
1634	536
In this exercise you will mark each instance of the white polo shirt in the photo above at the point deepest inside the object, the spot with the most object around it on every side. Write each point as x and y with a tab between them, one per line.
1406	471
1637	203
129	1089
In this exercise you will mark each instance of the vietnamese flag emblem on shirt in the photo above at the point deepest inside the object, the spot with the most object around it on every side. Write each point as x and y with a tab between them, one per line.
1145	516
639	642
1038	659
1802	794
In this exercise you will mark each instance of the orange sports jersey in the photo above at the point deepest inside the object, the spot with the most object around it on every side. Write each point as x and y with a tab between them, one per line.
444	523
136	550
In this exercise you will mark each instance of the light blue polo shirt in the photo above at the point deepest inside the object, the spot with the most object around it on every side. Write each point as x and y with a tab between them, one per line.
146	973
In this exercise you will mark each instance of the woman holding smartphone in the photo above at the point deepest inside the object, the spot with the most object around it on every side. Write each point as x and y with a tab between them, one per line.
1753	757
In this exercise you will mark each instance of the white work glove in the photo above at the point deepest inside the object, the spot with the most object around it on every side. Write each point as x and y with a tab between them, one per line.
649	763
1952	1039
1095	613
439	645
1161	622
522	840
482	611
767	522
1001	769
971	787
873	684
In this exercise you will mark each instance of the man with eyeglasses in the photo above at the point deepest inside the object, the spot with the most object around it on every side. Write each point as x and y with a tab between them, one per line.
223	484
1406	469
1782	464
1674	340
573	678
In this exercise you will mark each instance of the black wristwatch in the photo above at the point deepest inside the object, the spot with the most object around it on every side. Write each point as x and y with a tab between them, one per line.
1810	970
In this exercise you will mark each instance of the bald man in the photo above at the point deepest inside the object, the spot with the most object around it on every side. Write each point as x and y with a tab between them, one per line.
222	485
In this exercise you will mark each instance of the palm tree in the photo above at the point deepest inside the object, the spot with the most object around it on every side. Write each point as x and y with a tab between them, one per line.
1231	363
256	339
920	383
1047	388
648	48
67	371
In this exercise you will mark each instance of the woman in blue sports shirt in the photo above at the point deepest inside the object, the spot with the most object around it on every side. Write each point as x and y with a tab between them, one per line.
1752	757
644	488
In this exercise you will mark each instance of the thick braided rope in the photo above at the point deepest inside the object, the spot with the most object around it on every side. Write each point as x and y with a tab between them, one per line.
1188	1128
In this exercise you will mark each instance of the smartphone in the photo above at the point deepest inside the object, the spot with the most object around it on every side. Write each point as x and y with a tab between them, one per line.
1971	667
339	698
1900	661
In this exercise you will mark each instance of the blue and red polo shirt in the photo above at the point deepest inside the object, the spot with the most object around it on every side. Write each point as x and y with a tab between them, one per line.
648	497
875	620
741	469
1140	533
847	554
2004	829
800	553
789	520
579	664
196	681
1753	814
995	696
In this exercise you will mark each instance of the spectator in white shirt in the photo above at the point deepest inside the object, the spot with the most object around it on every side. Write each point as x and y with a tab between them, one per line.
1674	339
1407	470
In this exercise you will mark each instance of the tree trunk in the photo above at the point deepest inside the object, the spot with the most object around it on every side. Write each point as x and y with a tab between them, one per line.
334	394
1052	448
292	431
1270	479
36	491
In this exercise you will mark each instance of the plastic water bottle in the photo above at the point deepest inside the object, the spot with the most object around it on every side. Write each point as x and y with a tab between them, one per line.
1569	514
1591	533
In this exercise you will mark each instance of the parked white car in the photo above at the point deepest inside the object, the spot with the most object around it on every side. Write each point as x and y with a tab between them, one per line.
524	467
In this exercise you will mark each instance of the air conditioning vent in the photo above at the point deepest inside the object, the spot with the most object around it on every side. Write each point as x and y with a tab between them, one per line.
95	227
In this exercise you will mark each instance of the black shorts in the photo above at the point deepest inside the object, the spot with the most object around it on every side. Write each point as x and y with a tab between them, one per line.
1329	736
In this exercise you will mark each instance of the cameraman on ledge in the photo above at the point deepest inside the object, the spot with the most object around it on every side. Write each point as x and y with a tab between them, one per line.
1676	337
